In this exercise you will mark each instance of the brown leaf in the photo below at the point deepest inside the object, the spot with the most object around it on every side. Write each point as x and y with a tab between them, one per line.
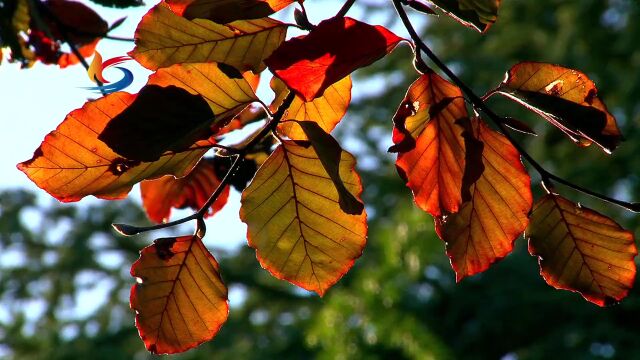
484	229
566	98
191	191
226	11
581	250
180	300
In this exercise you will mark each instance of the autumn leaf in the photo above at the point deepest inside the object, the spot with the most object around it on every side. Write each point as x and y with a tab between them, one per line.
164	38
430	146
566	98
295	222
476	14
72	163
180	300
326	110
63	15
226	11
191	191
484	229
309	64
581	250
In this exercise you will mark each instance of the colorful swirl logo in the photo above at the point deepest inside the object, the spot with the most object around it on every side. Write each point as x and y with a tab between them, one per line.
95	74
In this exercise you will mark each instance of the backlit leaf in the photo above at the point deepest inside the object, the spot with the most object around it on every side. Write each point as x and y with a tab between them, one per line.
191	191
336	47
484	229
327	110
179	105
294	218
180	299
581	250
330	153
430	146
72	163
86	23
476	14
566	98
164	38
226	11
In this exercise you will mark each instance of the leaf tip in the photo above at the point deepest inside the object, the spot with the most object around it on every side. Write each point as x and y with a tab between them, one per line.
126	230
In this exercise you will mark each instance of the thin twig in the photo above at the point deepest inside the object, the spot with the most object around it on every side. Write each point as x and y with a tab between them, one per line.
345	8
479	104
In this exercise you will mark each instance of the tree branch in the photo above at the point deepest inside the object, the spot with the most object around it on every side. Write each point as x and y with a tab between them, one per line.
345	8
480	105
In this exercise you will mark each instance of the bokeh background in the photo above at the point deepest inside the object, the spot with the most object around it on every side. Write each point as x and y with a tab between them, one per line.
64	274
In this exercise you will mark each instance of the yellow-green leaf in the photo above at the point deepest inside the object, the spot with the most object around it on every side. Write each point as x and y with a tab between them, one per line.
326	110
294	218
581	250
164	38
179	299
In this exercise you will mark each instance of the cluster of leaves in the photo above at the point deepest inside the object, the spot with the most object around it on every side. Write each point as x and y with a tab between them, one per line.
35	30
302	205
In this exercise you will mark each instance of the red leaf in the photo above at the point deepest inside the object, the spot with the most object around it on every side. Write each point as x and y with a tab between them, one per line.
193	190
335	48
180	299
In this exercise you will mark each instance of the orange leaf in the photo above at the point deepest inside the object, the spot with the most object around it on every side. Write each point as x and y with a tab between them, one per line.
180	299
430	143
476	14
336	47
326	110
484	229
72	163
164	38
191	191
566	98
581	250
67	59
295	222
226	11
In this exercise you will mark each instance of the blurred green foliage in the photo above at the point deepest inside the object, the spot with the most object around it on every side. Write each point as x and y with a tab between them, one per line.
400	300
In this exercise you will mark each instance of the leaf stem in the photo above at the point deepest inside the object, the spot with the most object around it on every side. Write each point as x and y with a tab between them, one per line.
479	104
129	230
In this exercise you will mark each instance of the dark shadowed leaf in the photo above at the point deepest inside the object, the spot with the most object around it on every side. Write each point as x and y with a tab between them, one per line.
295	222
566	98
476	14
581	250
310	64
226	11
180	300
160	119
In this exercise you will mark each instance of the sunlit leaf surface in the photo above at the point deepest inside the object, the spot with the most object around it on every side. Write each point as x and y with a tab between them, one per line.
226	11
484	229
295	222
164	38
180	299
326	110
309	64
581	250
